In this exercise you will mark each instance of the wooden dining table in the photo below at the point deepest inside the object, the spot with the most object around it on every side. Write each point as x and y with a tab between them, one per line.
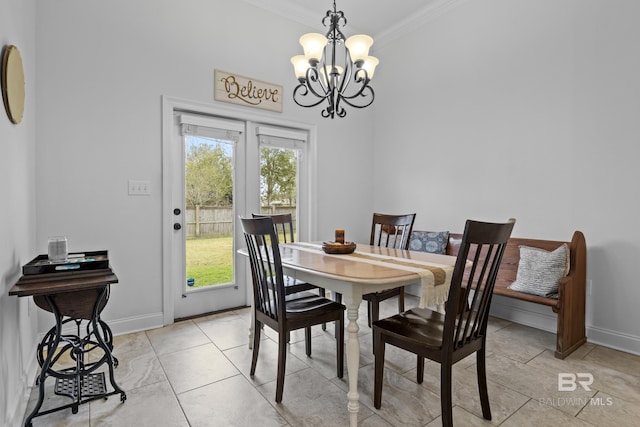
368	269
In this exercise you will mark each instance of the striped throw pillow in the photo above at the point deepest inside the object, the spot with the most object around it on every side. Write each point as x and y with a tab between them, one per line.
540	271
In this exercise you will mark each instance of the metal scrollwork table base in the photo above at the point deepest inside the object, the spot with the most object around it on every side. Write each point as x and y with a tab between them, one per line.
79	336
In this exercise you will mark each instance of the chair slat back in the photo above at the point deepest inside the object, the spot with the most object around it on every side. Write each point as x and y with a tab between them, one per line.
283	224
266	266
391	231
483	244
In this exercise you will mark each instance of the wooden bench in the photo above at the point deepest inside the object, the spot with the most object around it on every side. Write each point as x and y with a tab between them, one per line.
571	301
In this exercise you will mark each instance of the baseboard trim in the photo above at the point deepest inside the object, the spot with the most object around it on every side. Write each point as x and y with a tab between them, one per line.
122	326
129	325
16	416
612	339
505	308
527	314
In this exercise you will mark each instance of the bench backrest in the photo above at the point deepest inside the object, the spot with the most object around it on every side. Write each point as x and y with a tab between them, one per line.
511	258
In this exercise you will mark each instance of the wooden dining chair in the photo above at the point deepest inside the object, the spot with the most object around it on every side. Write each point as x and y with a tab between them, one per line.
391	231
283	313
283	224
462	330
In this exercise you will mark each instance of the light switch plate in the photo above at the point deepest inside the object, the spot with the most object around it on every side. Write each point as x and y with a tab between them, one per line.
139	188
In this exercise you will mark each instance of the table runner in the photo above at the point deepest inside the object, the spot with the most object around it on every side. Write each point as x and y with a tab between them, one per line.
435	278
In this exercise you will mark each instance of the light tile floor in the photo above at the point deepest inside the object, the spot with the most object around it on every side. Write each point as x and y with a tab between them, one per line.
196	373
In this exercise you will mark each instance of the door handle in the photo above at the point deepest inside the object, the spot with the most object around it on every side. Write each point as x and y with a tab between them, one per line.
177	226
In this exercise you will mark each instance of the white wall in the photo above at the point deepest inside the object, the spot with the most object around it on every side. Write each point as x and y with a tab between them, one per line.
526	109
541	94
17	219
102	69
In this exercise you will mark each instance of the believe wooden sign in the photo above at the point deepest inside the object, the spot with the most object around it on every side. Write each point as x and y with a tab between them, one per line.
246	91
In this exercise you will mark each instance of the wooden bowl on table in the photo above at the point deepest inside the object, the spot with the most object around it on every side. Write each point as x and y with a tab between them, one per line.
338	248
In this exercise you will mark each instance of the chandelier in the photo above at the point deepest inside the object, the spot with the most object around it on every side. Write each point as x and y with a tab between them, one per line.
333	69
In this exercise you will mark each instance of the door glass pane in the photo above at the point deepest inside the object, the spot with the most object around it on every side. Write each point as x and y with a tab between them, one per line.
279	182
209	211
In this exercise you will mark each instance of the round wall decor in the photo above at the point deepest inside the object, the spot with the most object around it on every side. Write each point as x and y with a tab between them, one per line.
13	83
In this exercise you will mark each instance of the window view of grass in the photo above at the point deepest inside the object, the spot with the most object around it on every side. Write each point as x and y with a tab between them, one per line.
209	209
209	261
208	184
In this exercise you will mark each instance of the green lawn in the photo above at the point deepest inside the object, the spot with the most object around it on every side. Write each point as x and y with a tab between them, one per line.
210	261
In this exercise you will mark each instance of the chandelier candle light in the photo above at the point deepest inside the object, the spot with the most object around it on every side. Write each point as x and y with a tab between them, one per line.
325	76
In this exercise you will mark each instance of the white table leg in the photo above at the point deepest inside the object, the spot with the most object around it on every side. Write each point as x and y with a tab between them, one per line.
353	358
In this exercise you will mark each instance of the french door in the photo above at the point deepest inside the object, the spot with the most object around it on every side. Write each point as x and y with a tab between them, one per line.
215	170
209	173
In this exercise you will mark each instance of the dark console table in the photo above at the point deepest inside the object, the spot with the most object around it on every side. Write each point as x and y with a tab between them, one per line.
76	299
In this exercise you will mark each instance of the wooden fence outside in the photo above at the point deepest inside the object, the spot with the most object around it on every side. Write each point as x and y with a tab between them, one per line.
215	221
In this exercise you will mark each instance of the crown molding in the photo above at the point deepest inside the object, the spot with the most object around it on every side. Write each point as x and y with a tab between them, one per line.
303	15
294	12
427	14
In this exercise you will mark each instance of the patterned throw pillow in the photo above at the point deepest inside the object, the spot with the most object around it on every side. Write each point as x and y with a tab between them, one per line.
540	271
429	241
